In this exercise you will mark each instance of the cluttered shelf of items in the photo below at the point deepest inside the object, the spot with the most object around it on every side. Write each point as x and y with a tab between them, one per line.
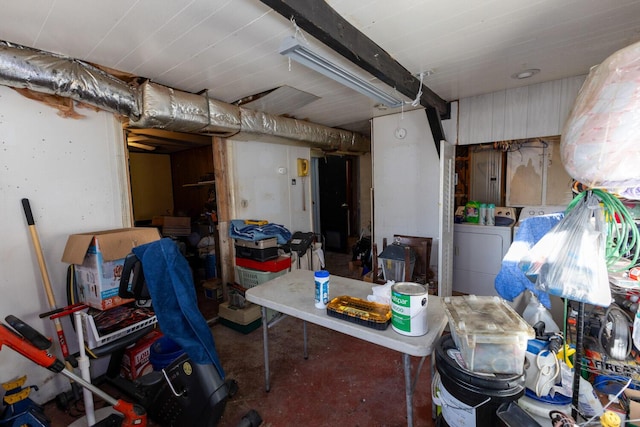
584	364
264	251
581	367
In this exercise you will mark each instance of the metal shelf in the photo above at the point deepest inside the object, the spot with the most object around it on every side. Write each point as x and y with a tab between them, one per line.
199	184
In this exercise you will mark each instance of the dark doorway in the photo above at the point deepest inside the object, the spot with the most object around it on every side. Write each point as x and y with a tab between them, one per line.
337	206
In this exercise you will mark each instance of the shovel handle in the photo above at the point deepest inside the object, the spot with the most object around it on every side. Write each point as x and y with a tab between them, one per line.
27	211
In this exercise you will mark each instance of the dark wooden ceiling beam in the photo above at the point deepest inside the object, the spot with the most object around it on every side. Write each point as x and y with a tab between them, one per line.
322	22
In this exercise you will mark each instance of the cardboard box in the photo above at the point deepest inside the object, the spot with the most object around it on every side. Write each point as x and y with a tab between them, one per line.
135	361
355	265
615	406
598	362
173	225
99	258
171	221
213	289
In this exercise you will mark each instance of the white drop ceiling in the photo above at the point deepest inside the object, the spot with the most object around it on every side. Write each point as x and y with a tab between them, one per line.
230	47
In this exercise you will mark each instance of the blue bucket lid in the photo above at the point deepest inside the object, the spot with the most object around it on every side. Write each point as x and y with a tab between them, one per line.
612	384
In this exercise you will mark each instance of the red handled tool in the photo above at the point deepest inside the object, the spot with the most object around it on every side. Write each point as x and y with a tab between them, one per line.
34	346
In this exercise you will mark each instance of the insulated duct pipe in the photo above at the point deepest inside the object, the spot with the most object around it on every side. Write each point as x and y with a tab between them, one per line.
27	68
170	109
155	106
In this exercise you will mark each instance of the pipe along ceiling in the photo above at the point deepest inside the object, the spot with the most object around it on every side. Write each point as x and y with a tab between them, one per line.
150	105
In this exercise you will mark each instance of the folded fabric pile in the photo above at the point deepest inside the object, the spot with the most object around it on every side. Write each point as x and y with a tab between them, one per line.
239	230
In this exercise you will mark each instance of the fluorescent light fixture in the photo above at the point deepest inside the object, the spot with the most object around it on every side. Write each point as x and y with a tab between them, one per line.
293	49
141	146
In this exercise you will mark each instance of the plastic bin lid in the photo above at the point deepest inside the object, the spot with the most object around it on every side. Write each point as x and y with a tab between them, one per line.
487	318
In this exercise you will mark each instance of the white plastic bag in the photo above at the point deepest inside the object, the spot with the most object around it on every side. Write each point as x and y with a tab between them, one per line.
569	261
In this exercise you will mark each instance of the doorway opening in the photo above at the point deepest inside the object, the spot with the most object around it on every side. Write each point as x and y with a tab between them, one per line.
336	207
173	188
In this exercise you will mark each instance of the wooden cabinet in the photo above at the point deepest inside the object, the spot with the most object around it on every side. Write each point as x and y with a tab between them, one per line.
524	112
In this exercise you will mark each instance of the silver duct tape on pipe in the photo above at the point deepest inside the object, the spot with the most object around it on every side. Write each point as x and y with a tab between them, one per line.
167	108
159	106
318	136
28	68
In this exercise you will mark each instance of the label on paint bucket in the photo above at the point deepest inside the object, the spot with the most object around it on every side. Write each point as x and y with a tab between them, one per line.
409	308
455	412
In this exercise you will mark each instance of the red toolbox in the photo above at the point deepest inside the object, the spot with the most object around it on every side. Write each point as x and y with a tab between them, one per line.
273	265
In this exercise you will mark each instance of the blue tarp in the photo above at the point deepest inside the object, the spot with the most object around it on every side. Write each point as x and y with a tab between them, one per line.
173	293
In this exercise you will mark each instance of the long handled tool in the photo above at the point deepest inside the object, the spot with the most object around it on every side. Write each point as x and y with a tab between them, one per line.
45	276
47	285
34	346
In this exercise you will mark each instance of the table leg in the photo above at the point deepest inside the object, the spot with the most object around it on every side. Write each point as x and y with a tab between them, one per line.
406	359
304	334
265	342
434	407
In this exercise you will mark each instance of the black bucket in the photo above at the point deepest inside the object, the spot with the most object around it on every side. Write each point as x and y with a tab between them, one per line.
469	398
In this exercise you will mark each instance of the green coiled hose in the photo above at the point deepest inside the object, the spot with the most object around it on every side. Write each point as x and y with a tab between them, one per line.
622	237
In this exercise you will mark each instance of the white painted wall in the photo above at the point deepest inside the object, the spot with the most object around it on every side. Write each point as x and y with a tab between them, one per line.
262	188
73	173
406	177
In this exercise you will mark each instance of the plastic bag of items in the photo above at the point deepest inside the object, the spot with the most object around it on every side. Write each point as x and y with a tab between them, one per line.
569	261
599	145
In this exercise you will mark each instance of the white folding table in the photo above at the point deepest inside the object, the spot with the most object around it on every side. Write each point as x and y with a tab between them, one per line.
293	294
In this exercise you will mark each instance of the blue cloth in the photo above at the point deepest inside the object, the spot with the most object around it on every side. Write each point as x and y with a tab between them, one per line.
239	230
511	280
173	294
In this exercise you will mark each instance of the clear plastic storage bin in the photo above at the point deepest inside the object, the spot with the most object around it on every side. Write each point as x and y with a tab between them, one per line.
491	336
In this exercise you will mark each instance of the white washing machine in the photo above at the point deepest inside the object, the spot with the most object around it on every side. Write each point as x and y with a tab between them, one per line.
531	211
478	251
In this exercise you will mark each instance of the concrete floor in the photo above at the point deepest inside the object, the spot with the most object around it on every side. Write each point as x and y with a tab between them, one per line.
345	381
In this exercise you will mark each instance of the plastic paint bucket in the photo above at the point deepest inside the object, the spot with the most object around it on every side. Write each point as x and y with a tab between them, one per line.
210	266
469	398
163	351
539	407
409	308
